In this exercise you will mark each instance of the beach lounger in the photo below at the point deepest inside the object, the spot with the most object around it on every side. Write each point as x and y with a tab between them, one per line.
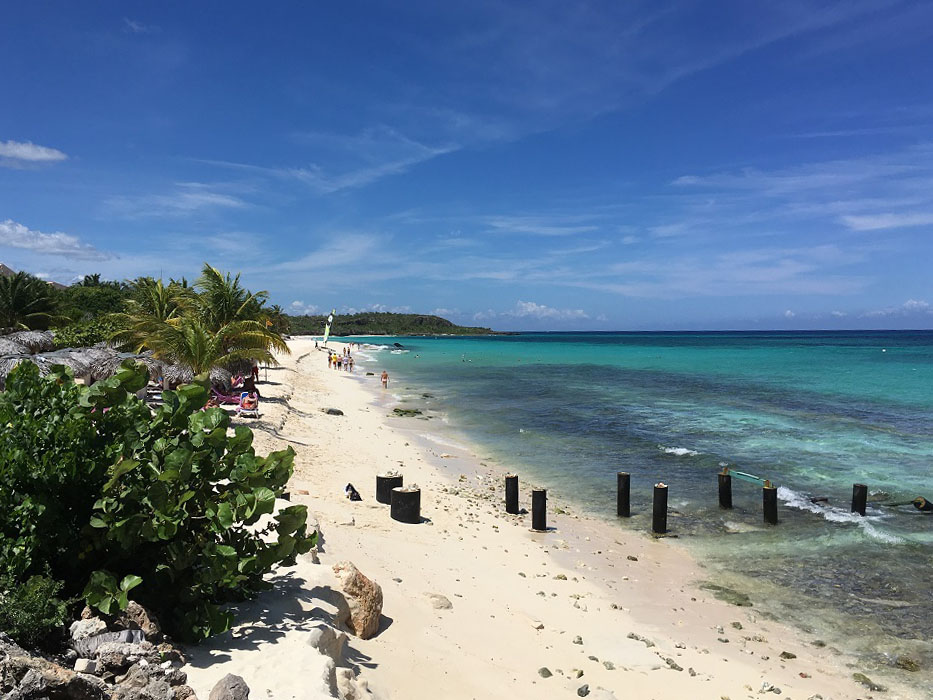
225	398
244	411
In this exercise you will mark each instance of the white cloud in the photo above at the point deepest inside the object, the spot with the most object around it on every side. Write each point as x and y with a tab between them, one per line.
874	222
908	308
299	308
378	308
344	249
789	314
16	235
629	240
188	197
542	225
16	154
134	27
839	314
345	162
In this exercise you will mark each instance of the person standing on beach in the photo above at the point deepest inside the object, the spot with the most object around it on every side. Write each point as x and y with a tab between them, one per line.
385	379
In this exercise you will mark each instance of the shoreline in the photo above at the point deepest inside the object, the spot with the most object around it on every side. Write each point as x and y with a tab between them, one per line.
520	601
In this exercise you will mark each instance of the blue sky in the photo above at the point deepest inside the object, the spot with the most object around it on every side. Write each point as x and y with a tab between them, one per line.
546	165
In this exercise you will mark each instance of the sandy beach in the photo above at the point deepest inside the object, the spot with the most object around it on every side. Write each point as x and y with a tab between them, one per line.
476	605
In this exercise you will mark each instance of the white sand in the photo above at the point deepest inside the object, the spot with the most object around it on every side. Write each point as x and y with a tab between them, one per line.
519	599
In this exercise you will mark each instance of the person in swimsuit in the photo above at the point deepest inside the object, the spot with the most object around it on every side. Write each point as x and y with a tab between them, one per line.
385	379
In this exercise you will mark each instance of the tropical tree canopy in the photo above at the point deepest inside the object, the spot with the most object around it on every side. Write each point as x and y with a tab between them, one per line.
26	302
216	323
190	343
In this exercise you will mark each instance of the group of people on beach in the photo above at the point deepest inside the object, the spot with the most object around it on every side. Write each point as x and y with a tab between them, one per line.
342	361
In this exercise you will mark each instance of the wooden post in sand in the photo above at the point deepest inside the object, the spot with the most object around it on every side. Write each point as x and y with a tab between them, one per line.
384	485
725	489
539	510
623	494
769	501
859	498
511	494
659	511
406	505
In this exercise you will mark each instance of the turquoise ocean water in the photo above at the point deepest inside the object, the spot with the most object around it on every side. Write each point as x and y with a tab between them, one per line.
814	412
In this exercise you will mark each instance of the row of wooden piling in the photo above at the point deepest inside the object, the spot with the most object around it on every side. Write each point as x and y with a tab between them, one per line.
405	503
659	508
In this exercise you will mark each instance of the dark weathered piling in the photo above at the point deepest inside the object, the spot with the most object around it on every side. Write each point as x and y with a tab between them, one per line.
725	490
659	510
859	498
511	494
406	505
623	494
539	510
384	485
769	501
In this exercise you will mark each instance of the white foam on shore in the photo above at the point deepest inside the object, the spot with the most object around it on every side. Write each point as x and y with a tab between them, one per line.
833	514
678	451
437	440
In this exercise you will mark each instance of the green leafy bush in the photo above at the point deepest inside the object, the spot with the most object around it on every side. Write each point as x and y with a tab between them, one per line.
83	334
113	498
32	611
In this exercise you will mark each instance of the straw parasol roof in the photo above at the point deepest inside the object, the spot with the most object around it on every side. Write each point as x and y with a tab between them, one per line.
35	341
181	374
74	359
8	362
12	347
107	365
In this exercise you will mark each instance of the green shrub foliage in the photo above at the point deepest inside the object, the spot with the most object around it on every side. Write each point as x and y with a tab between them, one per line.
118	502
31	612
83	334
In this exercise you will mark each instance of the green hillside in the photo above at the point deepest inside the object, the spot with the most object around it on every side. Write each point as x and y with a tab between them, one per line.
373	323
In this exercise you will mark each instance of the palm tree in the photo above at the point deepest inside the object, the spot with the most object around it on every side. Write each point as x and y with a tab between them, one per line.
153	305
26	302
222	299
189	342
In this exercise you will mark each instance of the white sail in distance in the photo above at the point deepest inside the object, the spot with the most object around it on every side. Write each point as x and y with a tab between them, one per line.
330	320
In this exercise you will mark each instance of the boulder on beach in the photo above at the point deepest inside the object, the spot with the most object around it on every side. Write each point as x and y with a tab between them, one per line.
364	600
230	687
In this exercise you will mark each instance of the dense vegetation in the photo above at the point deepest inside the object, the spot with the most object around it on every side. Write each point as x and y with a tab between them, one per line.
373	323
104	498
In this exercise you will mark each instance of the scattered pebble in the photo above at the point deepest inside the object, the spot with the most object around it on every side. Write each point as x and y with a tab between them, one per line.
578	640
638	638
583	690
788	655
545	672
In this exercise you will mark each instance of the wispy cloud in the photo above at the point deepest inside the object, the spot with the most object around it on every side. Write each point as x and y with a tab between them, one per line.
340	251
16	235
911	307
17	154
133	26
345	162
542	225
875	222
820	270
188	198
299	308
532	310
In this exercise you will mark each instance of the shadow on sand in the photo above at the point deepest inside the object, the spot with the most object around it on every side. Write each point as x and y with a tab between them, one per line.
290	607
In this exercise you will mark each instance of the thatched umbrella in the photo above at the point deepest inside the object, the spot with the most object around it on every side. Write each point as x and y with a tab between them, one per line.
182	374
35	341
109	364
8	362
79	364
12	347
